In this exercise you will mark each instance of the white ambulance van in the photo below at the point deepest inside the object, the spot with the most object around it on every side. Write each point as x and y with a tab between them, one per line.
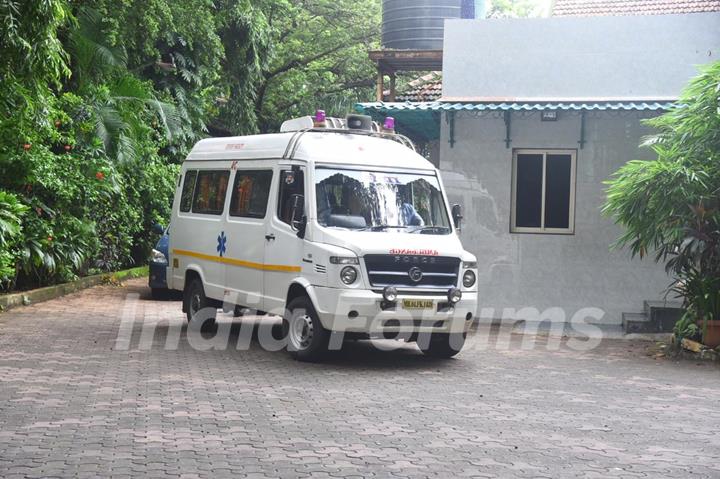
337	226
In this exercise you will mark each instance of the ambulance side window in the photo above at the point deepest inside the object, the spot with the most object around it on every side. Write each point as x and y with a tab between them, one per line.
210	191
291	183
250	193
187	191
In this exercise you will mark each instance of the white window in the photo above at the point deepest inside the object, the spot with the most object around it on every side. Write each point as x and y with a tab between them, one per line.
543	191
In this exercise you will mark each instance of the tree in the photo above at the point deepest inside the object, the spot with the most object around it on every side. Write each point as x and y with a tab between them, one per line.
671	206
244	31
30	51
517	8
74	124
318	58
174	45
100	99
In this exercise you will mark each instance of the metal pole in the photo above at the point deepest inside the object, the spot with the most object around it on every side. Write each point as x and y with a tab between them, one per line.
391	97
380	85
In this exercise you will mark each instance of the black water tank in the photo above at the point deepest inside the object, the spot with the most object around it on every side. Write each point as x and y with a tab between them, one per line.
417	24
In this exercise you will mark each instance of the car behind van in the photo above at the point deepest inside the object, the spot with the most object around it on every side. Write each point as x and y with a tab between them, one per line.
341	232
157	265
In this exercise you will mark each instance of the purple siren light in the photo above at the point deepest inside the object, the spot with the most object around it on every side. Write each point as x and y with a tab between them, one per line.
389	123
320	116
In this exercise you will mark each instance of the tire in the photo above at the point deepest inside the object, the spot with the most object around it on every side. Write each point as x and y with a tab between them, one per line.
306	338
196	302
444	346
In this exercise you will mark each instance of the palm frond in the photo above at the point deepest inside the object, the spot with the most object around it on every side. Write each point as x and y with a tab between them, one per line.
127	150
91	51
168	115
108	125
128	87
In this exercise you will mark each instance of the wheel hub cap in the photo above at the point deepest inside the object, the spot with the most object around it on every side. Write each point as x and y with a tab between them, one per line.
301	332
195	303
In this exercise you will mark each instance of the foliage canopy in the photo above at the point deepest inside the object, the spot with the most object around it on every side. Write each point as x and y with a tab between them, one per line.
672	206
100	101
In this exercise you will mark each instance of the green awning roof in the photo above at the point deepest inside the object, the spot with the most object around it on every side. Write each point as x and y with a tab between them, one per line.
421	120
514	106
418	124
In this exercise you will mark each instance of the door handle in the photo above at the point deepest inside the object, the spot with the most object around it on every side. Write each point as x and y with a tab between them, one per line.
270	237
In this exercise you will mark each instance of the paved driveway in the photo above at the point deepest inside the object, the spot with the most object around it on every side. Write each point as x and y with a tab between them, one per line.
71	404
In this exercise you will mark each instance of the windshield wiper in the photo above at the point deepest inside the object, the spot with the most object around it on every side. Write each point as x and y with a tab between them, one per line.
381	227
431	229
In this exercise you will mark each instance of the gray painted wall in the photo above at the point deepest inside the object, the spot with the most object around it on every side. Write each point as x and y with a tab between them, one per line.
544	271
649	56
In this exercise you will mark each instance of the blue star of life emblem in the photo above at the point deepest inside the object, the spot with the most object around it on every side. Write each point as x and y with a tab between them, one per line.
222	240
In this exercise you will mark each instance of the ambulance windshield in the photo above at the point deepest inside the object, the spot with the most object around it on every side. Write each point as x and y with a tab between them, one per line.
380	201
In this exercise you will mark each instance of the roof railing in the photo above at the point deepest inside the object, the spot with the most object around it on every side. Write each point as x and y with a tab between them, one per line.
295	140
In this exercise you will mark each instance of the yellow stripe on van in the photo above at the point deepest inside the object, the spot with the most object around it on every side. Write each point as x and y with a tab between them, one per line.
239	262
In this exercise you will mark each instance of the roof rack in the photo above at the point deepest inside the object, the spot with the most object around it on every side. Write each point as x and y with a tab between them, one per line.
295	140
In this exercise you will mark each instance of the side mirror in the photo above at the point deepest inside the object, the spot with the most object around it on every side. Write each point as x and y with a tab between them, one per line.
298	220
157	228
457	216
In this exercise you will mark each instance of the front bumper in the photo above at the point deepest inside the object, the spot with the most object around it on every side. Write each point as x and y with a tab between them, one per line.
360	311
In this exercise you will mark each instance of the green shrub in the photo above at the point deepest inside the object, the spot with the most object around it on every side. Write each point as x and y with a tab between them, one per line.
11	214
88	212
672	206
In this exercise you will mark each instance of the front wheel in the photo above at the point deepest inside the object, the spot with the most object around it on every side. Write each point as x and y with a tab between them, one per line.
444	345
197	305
306	338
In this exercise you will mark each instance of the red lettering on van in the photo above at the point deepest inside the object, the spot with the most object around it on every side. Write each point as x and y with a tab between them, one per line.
415	252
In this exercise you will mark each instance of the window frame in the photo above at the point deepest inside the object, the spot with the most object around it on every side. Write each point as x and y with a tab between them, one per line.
570	230
196	191
247	171
279	193
183	181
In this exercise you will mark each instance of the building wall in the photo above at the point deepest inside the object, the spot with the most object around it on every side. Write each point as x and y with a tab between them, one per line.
541	270
634	57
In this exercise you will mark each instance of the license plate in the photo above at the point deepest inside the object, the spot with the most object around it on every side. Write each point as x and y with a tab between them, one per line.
417	304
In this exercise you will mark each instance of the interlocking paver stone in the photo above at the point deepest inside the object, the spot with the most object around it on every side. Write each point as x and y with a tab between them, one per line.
71	404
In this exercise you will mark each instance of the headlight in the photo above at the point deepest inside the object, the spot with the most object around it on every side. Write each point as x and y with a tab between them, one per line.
468	278
470	264
157	257
344	260
348	275
390	294
454	295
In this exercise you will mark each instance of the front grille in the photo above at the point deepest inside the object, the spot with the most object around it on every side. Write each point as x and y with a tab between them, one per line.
438	272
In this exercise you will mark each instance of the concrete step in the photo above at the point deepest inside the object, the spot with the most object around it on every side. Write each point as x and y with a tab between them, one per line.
637	323
599	330
663	314
669	304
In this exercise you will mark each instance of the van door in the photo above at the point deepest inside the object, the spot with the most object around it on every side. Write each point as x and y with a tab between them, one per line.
283	249
198	230
246	225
